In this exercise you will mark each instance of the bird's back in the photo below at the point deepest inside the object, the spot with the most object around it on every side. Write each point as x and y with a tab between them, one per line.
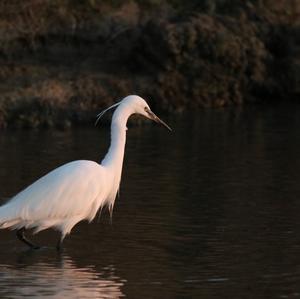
69	193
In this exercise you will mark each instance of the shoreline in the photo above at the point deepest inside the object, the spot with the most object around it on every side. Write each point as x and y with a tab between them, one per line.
61	64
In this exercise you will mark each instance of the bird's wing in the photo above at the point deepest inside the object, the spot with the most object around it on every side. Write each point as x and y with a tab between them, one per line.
67	191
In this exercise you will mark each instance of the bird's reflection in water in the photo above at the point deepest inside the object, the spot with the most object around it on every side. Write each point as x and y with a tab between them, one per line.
57	277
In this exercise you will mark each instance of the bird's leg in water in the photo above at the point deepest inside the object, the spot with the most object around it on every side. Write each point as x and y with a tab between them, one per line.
59	244
21	237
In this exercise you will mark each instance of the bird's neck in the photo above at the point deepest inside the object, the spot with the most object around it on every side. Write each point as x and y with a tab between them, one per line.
114	158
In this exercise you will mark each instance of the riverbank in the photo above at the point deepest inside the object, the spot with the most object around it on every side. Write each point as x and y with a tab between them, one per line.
63	61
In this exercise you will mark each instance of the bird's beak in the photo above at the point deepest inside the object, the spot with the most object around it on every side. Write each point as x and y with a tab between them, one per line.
157	119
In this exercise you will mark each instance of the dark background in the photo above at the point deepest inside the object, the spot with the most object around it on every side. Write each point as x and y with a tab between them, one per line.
63	61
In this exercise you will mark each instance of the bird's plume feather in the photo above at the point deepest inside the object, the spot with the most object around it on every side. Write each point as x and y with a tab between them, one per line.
104	111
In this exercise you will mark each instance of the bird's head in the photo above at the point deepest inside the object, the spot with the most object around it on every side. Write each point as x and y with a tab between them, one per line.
136	105
139	106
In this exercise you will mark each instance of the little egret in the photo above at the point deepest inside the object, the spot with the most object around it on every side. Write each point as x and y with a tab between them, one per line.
77	190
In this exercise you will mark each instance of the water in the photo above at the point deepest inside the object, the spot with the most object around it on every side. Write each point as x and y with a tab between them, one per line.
209	211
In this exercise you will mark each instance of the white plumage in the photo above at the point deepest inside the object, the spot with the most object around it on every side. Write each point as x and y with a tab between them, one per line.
77	190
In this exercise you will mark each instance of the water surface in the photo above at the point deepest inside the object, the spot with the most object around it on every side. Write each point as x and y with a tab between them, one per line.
208	211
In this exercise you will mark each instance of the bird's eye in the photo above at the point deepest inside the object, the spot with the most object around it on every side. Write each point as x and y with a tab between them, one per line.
146	109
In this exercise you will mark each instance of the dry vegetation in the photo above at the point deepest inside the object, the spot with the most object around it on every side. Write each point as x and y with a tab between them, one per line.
63	60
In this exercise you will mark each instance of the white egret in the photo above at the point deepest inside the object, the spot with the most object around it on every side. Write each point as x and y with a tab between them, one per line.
77	190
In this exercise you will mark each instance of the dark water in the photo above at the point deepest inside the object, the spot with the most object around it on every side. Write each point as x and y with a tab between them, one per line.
209	211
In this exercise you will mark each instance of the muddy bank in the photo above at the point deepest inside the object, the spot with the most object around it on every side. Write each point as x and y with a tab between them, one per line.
63	61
